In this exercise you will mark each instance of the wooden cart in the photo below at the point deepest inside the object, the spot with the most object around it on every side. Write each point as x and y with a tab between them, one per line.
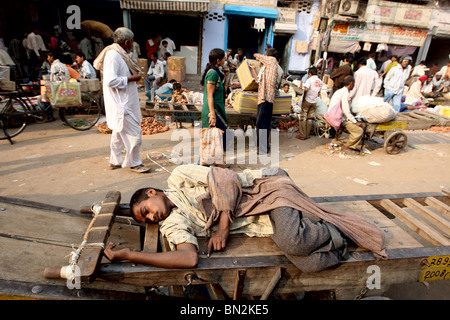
186	112
395	140
417	229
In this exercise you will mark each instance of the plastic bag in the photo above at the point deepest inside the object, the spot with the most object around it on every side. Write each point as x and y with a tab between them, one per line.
334	116
63	94
211	150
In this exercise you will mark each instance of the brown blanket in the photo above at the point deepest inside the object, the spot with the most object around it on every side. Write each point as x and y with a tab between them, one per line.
225	194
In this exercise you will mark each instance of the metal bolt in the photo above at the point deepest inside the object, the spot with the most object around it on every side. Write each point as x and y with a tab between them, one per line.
424	262
235	262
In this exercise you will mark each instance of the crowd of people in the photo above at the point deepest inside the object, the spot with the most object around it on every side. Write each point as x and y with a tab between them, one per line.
404	87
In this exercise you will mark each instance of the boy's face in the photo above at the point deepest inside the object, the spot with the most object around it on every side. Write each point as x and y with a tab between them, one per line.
152	210
286	89
78	59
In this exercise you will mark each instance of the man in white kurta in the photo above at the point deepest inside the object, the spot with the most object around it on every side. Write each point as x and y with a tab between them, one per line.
365	79
122	108
394	83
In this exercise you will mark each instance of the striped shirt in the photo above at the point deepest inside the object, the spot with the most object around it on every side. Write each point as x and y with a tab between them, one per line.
268	83
186	222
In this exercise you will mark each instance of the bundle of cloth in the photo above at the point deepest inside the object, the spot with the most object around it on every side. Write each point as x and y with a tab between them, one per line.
372	109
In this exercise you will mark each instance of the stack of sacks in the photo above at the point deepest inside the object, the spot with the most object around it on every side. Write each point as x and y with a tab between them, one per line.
373	109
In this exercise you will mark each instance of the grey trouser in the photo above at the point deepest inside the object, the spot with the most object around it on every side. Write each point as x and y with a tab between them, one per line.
309	243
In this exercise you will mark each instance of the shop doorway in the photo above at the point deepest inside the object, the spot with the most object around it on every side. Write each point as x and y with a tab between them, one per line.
241	34
282	43
184	30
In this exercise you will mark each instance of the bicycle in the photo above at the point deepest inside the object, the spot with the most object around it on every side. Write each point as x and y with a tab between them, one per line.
85	116
14	113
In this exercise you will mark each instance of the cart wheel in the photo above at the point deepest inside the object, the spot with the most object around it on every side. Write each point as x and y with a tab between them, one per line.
83	117
395	142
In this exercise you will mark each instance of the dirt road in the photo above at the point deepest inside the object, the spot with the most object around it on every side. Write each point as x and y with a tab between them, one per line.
54	164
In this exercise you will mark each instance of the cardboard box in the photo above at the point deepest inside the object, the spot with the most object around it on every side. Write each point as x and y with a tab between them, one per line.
143	65
247	76
6	85
175	63
246	102
179	76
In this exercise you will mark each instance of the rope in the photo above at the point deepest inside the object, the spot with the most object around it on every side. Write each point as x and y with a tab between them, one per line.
68	272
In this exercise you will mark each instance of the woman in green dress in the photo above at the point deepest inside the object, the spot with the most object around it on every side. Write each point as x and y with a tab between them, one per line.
213	111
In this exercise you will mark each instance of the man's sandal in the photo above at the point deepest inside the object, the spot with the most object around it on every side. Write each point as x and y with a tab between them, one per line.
140	169
114	167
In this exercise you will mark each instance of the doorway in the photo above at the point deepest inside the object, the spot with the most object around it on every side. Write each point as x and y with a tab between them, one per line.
241	34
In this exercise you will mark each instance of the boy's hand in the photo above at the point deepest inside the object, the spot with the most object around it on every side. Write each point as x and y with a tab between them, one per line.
218	241
115	255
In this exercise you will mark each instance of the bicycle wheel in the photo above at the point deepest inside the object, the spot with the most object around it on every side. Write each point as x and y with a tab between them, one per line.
13	114
81	117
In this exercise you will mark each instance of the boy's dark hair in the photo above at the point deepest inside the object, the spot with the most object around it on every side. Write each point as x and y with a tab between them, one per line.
164	42
139	196
154	54
350	59
272	52
347	80
362	62
81	55
313	71
172	81
176	86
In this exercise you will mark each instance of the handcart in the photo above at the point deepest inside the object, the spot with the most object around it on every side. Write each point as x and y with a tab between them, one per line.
416	228
395	139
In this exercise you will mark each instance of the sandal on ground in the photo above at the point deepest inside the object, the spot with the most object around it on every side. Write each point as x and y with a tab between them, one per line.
114	166
140	169
300	138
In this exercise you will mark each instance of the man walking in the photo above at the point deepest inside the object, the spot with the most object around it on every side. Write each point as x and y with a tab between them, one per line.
123	113
311	90
340	73
394	83
365	79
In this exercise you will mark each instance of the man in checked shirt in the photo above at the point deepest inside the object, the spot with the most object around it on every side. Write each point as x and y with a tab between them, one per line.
269	79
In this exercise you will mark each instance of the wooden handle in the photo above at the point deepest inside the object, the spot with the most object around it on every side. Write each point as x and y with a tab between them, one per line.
52	272
86	209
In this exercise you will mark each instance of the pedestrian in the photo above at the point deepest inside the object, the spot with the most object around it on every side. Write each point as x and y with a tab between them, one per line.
394	83
213	79
122	108
342	72
34	54
86	47
311	90
366	79
371	61
268	79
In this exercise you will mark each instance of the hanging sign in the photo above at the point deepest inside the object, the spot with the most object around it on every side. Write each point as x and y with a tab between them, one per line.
408	36
377	33
348	31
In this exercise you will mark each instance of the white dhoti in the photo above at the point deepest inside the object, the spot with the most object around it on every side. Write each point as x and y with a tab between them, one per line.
129	138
